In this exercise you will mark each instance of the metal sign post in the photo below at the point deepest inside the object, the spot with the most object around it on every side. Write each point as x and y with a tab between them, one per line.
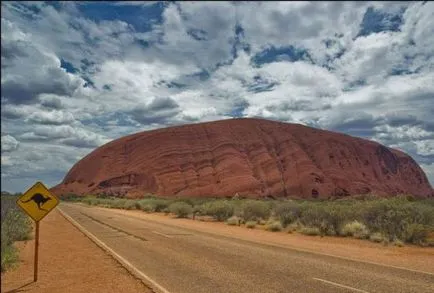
37	202
35	264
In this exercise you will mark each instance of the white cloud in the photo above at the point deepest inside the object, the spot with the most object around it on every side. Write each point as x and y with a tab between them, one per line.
9	143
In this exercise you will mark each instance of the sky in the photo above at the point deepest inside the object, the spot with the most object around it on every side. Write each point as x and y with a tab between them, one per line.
76	75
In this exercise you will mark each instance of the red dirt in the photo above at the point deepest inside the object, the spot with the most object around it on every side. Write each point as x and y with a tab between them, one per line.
68	262
251	157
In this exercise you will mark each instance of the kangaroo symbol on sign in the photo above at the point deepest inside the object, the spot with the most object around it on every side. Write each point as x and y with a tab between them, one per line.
39	199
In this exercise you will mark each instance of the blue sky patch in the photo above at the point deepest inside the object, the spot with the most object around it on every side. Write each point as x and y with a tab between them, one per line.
141	17
375	21
202	75
67	66
274	54
261	85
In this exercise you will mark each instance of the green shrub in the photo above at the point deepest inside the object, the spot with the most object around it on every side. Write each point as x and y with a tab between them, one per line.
311	231
394	218
220	210
398	243
274	226
118	203
293	227
287	212
355	229
416	233
160	205
233	221
130	205
146	205
9	255
376	237
70	197
251	224
181	209
15	226
253	210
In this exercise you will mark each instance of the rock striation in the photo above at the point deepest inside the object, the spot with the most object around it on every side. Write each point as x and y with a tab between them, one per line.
251	157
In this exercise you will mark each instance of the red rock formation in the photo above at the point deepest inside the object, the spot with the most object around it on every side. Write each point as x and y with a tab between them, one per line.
251	157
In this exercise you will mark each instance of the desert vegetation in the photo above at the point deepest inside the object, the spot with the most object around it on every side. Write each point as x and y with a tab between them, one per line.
15	226
397	220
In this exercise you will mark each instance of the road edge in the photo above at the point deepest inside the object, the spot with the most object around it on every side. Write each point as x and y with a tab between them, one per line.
146	280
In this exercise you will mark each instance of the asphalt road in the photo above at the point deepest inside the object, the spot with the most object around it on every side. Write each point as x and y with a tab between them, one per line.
182	260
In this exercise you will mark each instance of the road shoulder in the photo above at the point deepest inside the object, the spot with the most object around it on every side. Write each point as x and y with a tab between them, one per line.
68	262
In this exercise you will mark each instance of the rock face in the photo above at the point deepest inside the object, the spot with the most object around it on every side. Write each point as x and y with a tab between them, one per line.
251	157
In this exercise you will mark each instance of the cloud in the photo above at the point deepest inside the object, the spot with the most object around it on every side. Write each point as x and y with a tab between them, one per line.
158	111
9	143
65	134
28	71
53	117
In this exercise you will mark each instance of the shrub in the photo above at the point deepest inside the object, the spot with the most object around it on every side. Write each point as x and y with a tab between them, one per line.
160	205
233	221
146	206
287	213
129	205
70	197
220	210
274	226
398	243
394	218
376	237
255	210
416	233
293	227
311	231
181	209
251	224
118	203
355	229
9	255
15	226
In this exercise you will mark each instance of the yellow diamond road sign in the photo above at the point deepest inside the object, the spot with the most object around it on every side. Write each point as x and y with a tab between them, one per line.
38	201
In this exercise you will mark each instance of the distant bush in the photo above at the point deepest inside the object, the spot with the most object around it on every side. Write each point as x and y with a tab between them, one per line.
417	233
233	221
273	226
399	218
404	218
355	229
221	210
253	210
376	237
251	224
316	216
146	205
293	227
287	212
130	205
398	243
118	203
311	231
160	205
70	197
181	209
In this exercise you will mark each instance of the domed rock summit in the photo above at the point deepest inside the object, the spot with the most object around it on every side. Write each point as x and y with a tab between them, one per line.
250	157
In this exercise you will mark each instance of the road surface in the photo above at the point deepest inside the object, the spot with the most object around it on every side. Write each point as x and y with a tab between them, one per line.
184	260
